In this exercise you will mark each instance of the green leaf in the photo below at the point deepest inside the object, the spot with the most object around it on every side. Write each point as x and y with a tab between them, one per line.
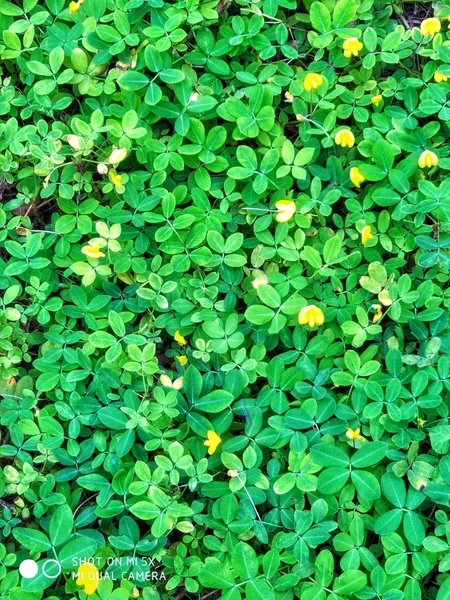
61	525
145	510
332	479
102	339
244	561
350	582
320	17
131	81
329	456
192	383
216	575
413	527
31	539
81	548
343	13
214	402
366	485
112	417
269	296
444	590
369	454
332	249
259	315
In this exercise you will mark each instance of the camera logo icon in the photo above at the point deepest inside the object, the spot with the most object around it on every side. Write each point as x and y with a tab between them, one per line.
29	568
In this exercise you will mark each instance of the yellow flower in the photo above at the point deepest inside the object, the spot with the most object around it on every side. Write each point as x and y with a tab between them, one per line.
74	7
311	315
167	382
88	577
352	47
430	26
366	234
115	178
182	360
428	159
345	138
420	422
354	435
356	177
378	313
117	155
440	77
179	338
92	250
312	81
376	100
285	210
289	97
212	441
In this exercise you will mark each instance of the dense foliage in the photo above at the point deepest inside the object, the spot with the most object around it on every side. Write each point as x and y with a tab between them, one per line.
224	325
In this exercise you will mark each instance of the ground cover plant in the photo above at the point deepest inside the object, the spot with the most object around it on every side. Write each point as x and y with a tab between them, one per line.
224	323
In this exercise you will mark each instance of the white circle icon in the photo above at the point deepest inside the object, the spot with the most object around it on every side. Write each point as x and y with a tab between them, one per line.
28	568
51	561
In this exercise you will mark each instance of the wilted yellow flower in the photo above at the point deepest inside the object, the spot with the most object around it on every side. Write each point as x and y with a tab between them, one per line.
311	315
285	210
102	169
212	441
74	141
260	279
354	435
167	382
92	250
179	338
430	26
312	81
289	97
378	313
428	159
352	47
115	178
356	177
88	578
376	100
300	118
269	80
194	97
233	473
366	234
117	155
182	359
440	77
345	138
